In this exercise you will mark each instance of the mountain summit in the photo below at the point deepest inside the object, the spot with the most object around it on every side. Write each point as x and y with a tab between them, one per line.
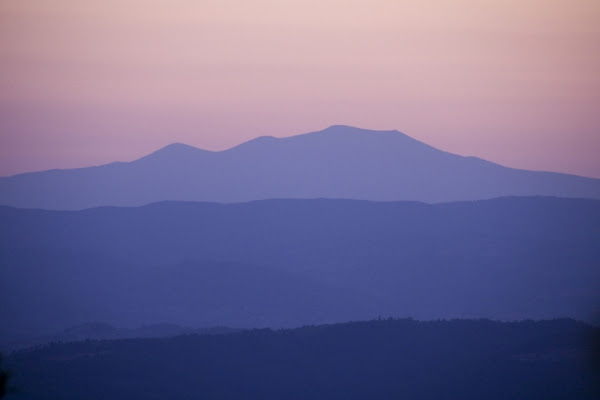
337	162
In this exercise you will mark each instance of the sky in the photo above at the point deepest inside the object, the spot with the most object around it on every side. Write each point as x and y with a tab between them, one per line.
89	82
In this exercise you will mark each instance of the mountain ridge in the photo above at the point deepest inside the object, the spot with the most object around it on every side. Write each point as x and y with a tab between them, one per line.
290	262
180	146
337	162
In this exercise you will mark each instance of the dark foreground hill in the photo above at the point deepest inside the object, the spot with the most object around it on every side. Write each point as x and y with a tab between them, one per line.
382	359
338	162
286	263
104	331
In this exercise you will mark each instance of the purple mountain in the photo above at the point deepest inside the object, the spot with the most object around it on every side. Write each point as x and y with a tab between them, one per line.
338	162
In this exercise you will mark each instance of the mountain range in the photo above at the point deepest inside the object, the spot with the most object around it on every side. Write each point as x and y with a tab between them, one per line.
338	162
286	263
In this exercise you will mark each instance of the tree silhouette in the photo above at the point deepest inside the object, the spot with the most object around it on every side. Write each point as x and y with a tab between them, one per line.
3	379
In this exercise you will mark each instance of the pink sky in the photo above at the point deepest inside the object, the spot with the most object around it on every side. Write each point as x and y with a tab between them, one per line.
513	81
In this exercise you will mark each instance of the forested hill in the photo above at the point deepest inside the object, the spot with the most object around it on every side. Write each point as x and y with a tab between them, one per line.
380	359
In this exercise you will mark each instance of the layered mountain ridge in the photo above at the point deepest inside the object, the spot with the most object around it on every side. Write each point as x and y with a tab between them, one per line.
286	263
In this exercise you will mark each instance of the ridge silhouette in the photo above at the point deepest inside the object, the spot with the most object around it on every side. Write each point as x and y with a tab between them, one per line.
337	162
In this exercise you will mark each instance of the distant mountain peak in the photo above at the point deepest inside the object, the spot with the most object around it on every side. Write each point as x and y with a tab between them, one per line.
337	132
179	147
340	127
345	131
350	136
351	129
174	150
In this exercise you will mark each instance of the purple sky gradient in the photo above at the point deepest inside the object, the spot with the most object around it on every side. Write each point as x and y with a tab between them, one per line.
84	83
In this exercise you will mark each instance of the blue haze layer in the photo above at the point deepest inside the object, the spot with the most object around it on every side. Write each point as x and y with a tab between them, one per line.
284	263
